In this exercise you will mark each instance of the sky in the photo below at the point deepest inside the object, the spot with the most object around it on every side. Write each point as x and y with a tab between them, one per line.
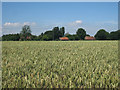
43	16
60	0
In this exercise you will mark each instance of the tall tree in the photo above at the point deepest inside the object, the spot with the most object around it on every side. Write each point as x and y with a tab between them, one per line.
81	33
102	35
55	33
26	32
62	31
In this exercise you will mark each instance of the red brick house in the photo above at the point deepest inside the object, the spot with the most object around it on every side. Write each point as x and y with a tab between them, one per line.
64	38
89	38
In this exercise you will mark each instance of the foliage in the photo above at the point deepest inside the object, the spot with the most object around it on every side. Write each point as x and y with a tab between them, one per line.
58	32
115	35
70	64
62	31
49	35
72	37
45	38
0	38
55	33
11	37
87	35
81	33
34	38
26	32
102	35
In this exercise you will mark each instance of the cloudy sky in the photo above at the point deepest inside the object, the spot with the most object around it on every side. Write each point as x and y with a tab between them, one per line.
43	16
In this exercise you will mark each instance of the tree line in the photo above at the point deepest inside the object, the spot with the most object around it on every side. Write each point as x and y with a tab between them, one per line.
56	32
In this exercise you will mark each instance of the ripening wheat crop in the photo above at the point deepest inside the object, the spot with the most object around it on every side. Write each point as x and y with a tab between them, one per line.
53	64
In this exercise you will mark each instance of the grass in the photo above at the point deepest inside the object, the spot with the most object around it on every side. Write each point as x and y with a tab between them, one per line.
64	64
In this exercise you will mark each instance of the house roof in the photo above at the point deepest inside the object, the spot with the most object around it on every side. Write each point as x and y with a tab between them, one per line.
89	38
64	38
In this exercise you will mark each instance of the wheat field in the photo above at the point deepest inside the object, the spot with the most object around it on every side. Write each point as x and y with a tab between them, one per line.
60	64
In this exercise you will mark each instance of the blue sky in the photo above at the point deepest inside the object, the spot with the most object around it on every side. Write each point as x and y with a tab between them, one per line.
43	16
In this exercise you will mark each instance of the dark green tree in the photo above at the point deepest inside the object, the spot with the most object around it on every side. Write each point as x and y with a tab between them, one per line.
40	36
55	33
11	37
49	34
118	34
81	33
102	35
26	32
45	38
115	35
67	34
62	31
34	38
72	37
87	35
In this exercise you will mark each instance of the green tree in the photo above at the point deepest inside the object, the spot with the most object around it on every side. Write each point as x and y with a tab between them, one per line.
49	34
55	33
34	38
76	37
11	37
118	34
62	31
81	33
45	38
102	35
67	34
87	35
115	35
26	32
40	36
72	37
0	38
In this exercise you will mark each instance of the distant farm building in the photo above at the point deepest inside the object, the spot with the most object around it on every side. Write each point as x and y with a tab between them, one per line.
23	38
89	38
28	38
64	38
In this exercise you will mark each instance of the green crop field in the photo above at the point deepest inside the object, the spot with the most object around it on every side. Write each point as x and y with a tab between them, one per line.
53	64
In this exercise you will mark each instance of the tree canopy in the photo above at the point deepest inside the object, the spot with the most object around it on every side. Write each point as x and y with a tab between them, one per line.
26	32
81	33
102	35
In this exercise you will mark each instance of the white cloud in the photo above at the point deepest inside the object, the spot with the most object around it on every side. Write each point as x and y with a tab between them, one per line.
9	24
78	21
9	28
29	23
